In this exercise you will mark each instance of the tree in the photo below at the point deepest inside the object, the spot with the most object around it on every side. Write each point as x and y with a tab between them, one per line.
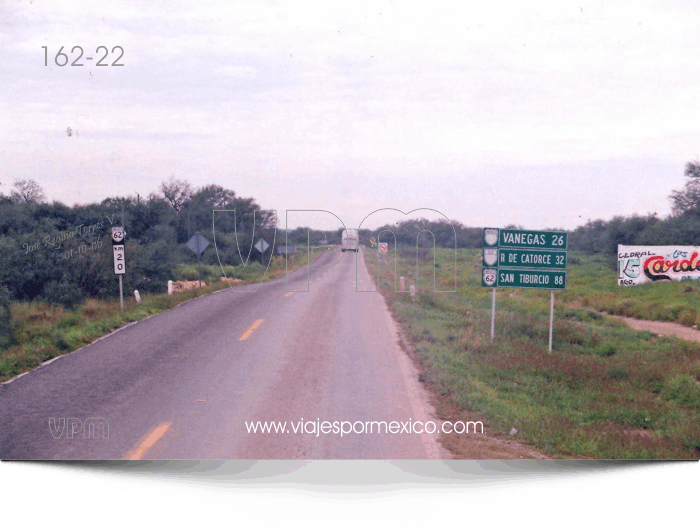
6	328
176	192
4	199
688	199
214	196
27	190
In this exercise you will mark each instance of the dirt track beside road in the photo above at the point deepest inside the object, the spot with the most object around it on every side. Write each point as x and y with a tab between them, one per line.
663	328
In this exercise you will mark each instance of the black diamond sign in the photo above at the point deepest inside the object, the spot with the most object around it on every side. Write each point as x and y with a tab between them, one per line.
197	243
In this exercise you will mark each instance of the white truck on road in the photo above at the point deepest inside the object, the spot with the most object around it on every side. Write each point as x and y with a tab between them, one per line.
349	240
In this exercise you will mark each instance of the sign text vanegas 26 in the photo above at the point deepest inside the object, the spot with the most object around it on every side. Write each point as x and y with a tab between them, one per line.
512	238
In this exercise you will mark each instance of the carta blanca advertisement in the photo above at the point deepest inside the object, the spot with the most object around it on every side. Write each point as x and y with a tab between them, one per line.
642	264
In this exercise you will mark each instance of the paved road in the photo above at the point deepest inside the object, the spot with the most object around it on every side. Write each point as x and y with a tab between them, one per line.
182	384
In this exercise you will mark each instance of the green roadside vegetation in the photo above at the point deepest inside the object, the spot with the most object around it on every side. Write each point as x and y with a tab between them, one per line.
42	331
592	282
605	392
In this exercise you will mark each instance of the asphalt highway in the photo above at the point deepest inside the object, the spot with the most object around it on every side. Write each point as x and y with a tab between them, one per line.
182	384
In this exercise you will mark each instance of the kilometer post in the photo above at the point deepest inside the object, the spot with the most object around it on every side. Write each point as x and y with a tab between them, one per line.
119	259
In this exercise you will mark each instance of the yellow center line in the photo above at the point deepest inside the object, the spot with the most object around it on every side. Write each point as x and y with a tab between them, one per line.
251	329
151	438
290	293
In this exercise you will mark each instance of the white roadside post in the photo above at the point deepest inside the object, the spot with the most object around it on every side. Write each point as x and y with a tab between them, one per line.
170	287
137	296
402	284
413	292
119	259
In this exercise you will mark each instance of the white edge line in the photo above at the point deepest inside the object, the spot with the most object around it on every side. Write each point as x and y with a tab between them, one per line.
121	328
98	339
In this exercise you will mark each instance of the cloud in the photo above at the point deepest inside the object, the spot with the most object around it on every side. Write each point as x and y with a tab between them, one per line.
257	95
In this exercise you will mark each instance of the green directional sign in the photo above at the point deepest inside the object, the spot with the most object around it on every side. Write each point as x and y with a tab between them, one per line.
513	238
540	259
526	278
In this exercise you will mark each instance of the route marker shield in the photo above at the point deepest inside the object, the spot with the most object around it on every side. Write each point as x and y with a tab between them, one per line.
490	236
490	256
117	234
489	277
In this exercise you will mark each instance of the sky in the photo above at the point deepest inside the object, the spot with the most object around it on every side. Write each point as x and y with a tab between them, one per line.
540	114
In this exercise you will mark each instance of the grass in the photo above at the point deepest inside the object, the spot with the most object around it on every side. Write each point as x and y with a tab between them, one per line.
250	273
606	391
42	331
592	282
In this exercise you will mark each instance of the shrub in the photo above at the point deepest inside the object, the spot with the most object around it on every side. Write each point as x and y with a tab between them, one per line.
6	328
618	373
68	322
575	333
607	349
624	307
592	314
674	312
654	380
684	390
150	266
688	317
189	274
63	293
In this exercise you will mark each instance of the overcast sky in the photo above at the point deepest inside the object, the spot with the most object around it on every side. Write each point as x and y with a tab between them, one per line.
539	114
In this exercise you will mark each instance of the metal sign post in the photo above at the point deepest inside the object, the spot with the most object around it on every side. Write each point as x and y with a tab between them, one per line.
261	246
383	256
197	244
489	279
493	312
551	320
